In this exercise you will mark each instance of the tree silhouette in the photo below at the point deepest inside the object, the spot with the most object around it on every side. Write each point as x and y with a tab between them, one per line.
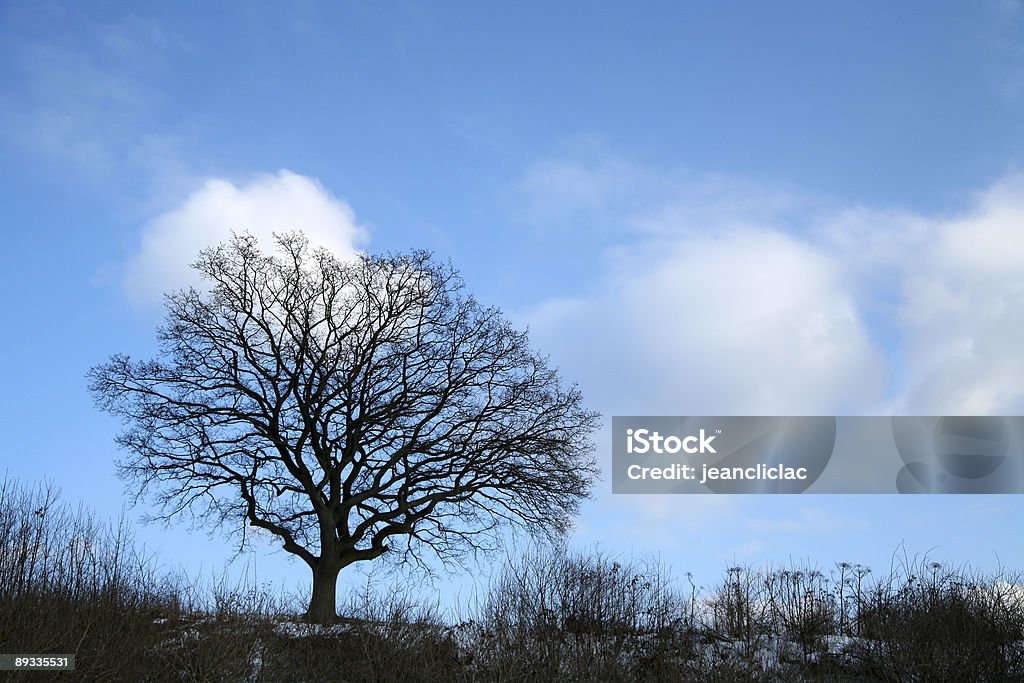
350	408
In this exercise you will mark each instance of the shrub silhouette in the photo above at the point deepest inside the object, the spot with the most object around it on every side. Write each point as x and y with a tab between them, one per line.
72	584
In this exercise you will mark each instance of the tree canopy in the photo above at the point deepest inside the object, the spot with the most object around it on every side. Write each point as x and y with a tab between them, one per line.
353	409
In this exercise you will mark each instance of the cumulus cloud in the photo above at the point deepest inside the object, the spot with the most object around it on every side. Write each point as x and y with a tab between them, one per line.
723	300
713	304
748	321
946	293
267	204
962	310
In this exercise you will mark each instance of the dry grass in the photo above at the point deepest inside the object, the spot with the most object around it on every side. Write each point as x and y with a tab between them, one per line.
70	583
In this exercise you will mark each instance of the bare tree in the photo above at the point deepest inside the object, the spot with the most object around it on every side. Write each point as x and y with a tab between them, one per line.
349	408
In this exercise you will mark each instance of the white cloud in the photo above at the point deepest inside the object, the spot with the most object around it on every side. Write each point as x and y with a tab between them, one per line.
269	203
730	297
745	321
962	310
948	292
989	241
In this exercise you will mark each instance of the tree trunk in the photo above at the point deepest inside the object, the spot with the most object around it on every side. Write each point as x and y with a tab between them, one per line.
323	602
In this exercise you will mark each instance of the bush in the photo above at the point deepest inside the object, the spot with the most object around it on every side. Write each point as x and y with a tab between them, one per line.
572	616
928	623
70	584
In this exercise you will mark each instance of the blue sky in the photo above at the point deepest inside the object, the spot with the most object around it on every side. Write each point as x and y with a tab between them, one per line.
697	208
